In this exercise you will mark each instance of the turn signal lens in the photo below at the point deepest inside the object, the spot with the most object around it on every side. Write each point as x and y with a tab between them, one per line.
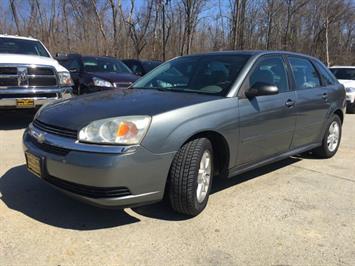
127	128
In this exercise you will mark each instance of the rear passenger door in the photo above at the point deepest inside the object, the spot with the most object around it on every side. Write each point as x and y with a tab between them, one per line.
267	123
312	102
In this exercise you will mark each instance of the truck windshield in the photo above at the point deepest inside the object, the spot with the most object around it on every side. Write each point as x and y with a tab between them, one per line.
344	73
21	46
211	74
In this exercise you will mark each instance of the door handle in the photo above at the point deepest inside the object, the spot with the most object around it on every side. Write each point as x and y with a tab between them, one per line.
325	96
290	103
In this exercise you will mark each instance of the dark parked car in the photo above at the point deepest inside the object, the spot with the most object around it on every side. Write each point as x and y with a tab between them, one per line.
189	120
93	73
141	67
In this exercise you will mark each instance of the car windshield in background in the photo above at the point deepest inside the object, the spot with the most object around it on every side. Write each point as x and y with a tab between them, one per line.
344	73
20	46
150	65
104	65
214	74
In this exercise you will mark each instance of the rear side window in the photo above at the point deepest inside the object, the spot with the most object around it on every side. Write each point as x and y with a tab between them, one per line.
270	71
328	79
306	76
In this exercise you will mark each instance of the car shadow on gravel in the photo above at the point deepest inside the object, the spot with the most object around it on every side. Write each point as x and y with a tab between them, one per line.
15	119
28	194
162	210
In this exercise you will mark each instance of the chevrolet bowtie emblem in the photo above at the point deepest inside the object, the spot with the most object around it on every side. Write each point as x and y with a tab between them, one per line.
40	137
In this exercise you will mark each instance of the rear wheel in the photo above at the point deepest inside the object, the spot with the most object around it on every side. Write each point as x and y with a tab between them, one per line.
190	177
331	140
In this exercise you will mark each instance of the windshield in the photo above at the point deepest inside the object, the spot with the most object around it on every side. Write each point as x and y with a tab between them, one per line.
212	74
20	46
150	65
104	65
344	73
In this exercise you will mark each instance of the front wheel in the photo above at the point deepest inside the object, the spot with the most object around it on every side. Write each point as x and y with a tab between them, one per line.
331	139
190	177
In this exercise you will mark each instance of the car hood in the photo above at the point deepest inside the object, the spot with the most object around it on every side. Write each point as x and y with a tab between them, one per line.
115	77
31	60
348	83
75	113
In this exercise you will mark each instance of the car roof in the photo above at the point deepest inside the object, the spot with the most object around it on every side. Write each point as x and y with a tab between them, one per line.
100	57
17	37
351	67
253	53
141	60
71	56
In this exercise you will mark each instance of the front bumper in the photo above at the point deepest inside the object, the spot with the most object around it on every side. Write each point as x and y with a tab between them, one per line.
85	171
40	96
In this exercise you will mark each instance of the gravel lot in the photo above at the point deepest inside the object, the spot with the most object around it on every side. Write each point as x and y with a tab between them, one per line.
300	211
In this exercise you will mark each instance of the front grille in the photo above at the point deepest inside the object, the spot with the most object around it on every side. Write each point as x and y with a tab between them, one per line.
42	81
8	70
8	81
64	132
27	76
122	85
49	148
41	71
88	191
28	95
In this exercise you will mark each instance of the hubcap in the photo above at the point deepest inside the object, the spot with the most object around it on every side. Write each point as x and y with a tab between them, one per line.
333	136
204	177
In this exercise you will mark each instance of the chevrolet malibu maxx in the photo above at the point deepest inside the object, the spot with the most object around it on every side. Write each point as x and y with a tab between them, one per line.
190	120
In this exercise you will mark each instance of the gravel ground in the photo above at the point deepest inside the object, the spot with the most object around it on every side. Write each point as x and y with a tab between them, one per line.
300	211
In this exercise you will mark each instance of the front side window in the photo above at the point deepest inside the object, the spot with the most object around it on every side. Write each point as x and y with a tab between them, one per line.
306	76
136	68
270	71
104	65
344	73
21	46
213	74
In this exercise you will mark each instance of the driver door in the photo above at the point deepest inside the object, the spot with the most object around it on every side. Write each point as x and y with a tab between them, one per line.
267	123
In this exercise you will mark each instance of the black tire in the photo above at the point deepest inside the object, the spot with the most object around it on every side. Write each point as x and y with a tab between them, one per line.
182	184
323	151
350	108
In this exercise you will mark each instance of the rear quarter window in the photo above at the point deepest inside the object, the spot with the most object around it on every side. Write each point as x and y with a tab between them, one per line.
327	77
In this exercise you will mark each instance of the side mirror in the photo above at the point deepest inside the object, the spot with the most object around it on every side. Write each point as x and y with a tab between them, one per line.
261	89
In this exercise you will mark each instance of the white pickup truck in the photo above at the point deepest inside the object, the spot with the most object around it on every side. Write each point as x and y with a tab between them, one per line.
29	76
346	76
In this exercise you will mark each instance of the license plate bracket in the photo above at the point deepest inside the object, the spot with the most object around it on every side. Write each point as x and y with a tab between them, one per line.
34	164
25	103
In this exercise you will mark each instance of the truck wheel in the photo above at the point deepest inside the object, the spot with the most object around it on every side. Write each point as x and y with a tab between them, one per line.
190	177
331	140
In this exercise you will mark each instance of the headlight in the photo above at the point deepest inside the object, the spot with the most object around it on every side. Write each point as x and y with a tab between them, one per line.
65	79
101	83
118	130
350	89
